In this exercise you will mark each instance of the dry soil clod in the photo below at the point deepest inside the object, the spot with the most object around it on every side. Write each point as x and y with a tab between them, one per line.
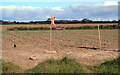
50	52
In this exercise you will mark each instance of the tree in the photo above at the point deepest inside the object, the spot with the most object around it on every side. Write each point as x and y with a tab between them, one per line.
48	19
86	20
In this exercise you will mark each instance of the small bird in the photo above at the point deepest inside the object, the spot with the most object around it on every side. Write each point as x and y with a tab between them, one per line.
14	45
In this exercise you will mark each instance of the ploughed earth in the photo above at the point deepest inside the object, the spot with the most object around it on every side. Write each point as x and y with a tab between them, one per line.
81	45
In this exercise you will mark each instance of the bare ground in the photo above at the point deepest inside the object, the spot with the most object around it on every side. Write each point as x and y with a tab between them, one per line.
81	45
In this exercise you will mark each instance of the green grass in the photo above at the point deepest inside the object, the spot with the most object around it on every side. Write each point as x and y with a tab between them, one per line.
8	67
108	66
64	65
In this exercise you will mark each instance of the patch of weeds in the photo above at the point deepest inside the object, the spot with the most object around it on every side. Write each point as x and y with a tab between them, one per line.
64	65
8	67
108	66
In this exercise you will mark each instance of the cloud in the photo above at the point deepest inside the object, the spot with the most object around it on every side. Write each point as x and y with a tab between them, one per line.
76	11
107	3
110	3
58	8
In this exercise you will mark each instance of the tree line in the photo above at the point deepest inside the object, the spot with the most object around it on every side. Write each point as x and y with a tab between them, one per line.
59	22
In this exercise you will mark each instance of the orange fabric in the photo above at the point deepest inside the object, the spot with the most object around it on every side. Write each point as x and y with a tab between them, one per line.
52	20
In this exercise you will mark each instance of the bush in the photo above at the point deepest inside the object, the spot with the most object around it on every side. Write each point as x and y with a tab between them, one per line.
62	28
68	28
101	27
76	28
96	27
85	27
53	28
91	27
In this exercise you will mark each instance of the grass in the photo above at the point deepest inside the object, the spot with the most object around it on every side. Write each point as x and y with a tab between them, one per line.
65	65
8	67
108	66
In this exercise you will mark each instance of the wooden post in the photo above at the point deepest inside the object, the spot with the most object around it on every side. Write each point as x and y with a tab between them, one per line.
99	37
50	37
50	51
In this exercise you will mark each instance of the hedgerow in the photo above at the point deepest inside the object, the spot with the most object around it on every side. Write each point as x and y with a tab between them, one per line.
66	28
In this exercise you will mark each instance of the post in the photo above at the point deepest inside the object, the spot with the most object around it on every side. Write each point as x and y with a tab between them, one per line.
50	37
99	37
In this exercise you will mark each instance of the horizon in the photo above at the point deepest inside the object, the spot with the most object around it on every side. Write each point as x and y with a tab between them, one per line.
58	20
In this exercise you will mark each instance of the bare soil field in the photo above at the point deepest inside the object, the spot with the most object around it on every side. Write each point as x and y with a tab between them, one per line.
82	45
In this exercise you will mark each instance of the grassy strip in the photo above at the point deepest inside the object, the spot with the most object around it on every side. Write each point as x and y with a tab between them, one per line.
108	66
8	67
65	65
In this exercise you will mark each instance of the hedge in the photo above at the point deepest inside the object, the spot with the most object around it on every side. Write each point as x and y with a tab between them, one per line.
66	28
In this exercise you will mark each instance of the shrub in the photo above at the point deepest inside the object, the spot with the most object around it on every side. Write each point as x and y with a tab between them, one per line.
72	28
53	28
96	27
85	27
101	27
79	27
91	27
76	28
68	28
62	28
10	29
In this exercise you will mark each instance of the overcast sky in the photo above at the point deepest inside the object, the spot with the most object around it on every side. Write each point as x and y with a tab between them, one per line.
28	11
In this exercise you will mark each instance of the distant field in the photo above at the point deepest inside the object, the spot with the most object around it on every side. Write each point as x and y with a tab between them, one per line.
59	25
82	45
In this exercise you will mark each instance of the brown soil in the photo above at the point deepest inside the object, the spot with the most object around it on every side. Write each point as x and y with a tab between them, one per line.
82	45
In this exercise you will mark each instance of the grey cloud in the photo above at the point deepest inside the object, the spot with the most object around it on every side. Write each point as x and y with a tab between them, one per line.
72	12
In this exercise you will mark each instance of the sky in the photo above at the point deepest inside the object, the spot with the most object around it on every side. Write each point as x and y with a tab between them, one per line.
37	11
57	0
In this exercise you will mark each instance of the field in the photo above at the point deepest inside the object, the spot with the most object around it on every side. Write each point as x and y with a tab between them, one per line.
81	45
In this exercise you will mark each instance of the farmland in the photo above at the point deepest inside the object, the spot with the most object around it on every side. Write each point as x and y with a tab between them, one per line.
81	45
